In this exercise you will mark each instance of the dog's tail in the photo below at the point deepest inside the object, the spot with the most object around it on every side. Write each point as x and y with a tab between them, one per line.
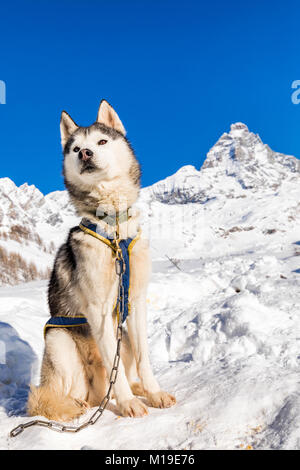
44	401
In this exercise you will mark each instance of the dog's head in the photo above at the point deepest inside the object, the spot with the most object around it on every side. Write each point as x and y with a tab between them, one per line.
99	152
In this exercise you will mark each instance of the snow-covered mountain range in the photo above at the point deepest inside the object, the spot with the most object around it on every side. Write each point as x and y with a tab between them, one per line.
242	187
238	161
223	318
244	193
31	228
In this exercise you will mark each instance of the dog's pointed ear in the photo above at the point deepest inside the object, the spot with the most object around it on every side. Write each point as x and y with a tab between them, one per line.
67	127
108	116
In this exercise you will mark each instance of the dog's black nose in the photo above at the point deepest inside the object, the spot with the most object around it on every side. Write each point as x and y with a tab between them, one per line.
85	154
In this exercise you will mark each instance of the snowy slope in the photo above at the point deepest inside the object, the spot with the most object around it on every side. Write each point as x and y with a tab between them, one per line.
245	194
31	226
231	358
224	327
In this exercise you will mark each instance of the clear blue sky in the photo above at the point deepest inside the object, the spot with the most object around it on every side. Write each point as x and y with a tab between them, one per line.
177	72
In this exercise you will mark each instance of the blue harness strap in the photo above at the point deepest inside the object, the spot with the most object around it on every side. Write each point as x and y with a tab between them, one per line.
126	246
64	321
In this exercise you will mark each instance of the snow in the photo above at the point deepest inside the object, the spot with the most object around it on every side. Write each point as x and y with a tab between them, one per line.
46	219
230	357
223	327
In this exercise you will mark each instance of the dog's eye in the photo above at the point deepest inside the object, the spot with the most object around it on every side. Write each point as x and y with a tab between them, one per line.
102	142
76	149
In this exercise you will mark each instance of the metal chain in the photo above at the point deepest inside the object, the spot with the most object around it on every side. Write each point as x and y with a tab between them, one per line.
59	427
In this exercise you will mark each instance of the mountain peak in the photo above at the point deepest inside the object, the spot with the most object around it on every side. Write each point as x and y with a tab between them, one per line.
6	184
238	161
242	156
238	127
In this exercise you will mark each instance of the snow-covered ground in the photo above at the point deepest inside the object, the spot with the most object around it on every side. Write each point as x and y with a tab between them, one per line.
224	326
231	358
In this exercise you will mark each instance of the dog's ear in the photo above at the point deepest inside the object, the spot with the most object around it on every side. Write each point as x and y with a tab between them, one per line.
108	116
67	127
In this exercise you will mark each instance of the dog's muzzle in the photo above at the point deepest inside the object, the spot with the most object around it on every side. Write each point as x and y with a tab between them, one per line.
85	156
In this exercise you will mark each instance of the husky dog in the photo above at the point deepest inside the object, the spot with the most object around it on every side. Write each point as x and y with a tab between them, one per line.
100	171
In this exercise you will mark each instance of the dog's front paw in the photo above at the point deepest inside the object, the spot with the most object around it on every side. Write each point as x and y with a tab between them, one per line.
134	408
161	399
82	404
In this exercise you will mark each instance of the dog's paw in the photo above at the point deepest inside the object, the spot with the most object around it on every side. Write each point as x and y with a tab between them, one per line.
43	401
82	404
161	399
74	409
133	408
70	409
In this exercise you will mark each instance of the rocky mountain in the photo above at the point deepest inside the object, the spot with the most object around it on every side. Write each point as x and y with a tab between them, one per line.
244	192
31	227
238	161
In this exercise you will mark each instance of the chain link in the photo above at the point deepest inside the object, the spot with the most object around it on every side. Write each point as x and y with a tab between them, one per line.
59	427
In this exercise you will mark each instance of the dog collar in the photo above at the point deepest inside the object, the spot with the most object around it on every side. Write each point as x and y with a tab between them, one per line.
114	217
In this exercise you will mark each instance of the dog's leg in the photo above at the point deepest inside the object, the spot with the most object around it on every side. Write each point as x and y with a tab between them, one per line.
129	362
137	330
140	268
63	390
95	372
105	336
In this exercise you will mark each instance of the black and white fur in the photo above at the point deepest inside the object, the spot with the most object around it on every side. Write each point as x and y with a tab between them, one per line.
102	175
